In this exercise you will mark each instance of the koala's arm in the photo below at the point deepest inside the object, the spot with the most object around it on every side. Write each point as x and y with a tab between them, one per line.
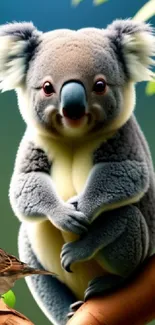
120	175
32	192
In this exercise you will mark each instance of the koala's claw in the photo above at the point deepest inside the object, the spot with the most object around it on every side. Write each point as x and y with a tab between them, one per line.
66	265
74	307
70	315
66	258
69	255
74	252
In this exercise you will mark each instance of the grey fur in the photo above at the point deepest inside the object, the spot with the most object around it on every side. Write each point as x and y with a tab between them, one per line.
120	166
34	159
124	230
133	246
23	31
105	230
116	32
28	37
120	172
50	291
32	193
33	196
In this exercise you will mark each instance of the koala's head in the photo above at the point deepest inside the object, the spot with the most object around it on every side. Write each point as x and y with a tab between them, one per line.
71	83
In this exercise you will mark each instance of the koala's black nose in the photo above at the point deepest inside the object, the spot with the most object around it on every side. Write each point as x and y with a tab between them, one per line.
73	100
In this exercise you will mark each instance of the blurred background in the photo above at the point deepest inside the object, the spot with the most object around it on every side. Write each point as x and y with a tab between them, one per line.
47	16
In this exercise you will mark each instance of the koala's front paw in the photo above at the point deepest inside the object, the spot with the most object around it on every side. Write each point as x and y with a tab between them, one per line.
72	252
66	218
68	256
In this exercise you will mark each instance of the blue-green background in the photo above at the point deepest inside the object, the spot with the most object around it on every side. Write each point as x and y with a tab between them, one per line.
48	15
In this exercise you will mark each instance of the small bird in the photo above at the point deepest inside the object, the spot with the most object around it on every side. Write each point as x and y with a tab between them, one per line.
12	269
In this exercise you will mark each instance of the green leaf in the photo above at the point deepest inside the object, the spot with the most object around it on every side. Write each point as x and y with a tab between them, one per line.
150	88
99	2
9	298
146	12
76	2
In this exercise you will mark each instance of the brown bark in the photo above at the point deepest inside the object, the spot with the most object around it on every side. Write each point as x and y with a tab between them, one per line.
9	316
131	305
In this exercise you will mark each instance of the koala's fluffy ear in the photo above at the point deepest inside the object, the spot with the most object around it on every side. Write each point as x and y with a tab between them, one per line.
135	46
18	42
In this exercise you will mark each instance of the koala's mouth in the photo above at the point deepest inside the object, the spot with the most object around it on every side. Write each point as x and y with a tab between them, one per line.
74	121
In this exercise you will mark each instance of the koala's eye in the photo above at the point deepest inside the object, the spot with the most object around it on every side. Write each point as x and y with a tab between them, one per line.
48	88
100	87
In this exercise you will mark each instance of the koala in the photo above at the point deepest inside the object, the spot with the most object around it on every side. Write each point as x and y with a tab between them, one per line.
83	184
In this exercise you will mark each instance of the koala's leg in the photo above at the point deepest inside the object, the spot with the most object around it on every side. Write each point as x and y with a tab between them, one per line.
52	296
124	254
118	240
